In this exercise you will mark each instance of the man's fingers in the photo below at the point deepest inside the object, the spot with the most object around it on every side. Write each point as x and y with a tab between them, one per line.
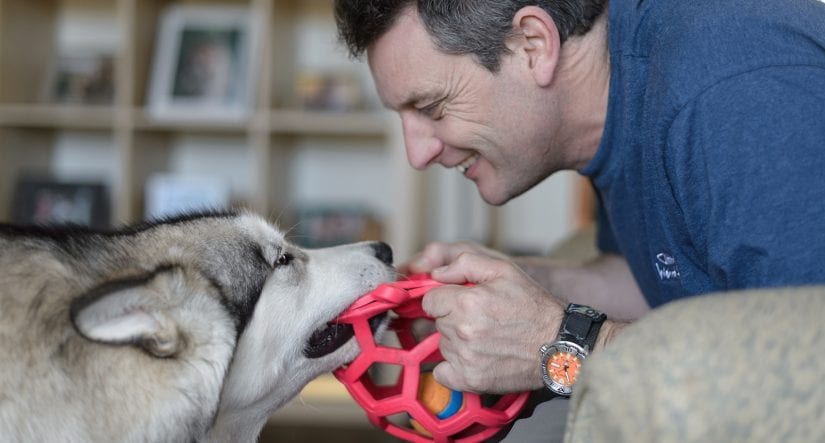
445	374
469	267
437	302
438	254
434	255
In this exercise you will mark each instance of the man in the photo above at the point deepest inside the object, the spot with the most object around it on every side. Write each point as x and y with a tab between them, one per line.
701	125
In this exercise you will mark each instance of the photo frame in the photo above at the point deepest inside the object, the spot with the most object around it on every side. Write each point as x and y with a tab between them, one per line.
46	201
320	226
203	64
83	77
328	91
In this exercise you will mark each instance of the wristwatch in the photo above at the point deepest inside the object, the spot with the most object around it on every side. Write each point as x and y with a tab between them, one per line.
561	360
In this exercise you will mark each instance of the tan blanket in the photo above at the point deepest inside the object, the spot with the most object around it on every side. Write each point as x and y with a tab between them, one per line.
738	367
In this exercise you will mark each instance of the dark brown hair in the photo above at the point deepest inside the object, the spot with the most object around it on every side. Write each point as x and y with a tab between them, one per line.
477	27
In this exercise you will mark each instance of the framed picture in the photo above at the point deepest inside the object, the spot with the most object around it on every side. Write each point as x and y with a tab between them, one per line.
329	225
328	91
203	64
45	201
82	78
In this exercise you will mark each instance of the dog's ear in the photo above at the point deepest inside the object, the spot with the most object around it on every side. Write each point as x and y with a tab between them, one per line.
133	312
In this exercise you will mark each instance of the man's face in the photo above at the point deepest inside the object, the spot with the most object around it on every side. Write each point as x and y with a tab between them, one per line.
496	128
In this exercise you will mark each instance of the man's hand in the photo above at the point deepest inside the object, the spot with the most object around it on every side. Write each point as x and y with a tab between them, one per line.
490	332
439	254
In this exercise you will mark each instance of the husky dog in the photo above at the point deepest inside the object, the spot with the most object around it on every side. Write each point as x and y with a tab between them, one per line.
190	329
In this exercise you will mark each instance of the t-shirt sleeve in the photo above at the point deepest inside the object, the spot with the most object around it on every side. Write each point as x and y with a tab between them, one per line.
746	161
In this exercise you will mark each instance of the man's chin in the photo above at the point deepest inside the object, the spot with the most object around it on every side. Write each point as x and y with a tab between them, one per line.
495	202
499	190
493	198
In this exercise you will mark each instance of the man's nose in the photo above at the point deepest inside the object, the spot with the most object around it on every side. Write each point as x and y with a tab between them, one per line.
423	147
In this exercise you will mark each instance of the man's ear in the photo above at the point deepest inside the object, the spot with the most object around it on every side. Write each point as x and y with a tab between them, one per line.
536	40
132	312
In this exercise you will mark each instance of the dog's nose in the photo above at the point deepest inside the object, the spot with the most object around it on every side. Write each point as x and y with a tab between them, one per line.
383	252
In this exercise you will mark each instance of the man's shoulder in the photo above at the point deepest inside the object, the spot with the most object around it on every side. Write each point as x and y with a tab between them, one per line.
688	48
716	33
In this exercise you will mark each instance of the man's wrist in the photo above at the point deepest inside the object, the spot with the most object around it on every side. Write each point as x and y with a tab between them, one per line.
610	329
578	336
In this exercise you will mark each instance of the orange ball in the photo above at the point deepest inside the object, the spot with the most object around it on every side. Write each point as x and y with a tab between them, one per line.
438	399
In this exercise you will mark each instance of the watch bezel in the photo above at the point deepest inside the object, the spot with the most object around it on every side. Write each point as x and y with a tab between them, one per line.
547	351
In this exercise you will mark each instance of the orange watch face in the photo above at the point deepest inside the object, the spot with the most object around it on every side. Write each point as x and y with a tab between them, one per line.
560	364
563	368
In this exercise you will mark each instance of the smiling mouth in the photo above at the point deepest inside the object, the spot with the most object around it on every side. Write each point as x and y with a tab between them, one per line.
465	165
328	339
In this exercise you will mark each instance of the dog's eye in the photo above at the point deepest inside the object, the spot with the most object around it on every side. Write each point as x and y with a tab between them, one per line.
284	259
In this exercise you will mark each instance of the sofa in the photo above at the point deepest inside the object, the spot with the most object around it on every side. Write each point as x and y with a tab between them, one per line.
744	366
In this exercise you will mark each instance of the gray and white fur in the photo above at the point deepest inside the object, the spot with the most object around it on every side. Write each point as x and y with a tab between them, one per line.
188	329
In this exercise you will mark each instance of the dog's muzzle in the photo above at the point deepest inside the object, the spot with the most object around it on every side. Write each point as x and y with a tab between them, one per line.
326	340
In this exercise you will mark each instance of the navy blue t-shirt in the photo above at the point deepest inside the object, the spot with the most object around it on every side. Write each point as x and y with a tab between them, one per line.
711	169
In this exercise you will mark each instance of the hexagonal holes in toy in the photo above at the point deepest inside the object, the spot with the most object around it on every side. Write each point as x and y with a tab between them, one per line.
382	380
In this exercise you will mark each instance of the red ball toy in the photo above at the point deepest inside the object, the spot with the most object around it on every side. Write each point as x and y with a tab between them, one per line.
415	407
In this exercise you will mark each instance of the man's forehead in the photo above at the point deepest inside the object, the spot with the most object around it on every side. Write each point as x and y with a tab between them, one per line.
406	64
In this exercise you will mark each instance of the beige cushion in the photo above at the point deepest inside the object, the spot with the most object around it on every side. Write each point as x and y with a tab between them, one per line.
739	367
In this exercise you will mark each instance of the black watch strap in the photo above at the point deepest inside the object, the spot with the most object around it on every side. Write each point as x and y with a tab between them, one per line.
581	325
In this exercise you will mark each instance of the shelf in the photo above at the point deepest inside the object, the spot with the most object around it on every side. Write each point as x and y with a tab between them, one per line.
361	123
282	121
57	116
145	122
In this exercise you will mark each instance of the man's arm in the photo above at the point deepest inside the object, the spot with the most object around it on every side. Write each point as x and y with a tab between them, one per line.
604	283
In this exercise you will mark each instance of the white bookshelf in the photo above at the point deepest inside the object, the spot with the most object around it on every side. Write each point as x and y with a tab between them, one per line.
256	153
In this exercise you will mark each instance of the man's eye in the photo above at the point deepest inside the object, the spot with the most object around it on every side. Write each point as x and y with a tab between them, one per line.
429	110
284	259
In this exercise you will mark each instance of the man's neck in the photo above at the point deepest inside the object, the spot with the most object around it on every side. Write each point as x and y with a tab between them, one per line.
583	78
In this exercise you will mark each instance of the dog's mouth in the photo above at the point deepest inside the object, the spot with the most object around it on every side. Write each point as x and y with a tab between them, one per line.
328	339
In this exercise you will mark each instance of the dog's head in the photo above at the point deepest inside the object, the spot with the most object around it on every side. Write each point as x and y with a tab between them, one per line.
242	306
292	337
